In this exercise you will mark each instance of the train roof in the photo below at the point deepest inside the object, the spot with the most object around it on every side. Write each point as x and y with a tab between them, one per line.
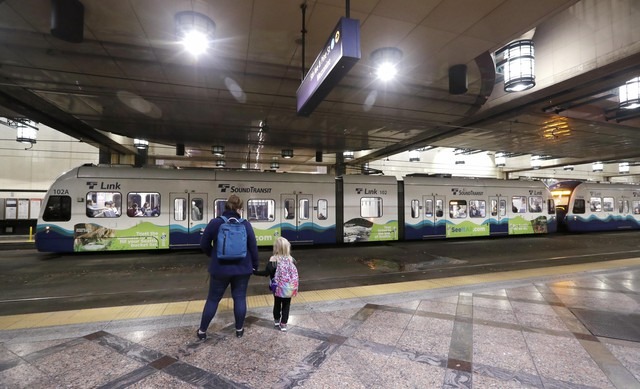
366	179
478	182
204	174
586	185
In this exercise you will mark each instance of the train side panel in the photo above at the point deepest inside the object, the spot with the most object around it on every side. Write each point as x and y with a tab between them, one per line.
299	207
454	208
370	208
122	208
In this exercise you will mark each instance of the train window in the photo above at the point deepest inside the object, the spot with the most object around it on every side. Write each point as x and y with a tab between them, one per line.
623	206
104	204
323	206
143	204
196	209
428	208
303	212
439	208
477	208
371	207
608	204
180	209
415	209
218	205
58	209
578	206
519	204
551	206
596	204
458	209
535	204
261	210
494	207
636	207
289	208
503	207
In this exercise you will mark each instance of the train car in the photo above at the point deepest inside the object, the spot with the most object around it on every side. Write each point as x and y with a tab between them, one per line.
589	206
370	208
100	208
457	207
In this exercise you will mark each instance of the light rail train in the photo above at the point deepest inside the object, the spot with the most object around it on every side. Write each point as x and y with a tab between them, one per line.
587	206
95	208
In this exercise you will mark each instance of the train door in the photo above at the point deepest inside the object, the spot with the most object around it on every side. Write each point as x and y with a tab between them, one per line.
188	218
297	217
434	216
498	215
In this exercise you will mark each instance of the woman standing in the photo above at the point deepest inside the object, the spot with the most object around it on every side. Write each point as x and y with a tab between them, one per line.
228	272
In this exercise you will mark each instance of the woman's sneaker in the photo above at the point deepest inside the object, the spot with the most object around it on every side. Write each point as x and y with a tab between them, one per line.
201	335
239	333
276	324
283	326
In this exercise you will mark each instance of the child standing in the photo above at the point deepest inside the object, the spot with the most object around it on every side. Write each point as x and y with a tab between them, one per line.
283	274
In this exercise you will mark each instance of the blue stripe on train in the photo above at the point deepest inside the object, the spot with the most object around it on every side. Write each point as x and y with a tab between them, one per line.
593	223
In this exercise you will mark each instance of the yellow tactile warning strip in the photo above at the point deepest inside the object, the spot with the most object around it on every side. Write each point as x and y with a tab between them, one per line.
81	316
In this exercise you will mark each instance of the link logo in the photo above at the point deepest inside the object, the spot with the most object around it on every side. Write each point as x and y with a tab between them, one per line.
367	191
223	187
533	192
113	186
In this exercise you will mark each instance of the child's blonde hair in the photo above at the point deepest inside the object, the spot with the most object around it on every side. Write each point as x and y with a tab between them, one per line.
282	247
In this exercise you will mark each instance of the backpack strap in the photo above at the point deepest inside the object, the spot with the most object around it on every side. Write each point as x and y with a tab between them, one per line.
224	218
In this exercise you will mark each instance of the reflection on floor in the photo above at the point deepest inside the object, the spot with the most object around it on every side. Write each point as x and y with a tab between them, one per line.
577	332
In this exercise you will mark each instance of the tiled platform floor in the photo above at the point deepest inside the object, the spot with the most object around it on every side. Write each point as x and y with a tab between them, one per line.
504	334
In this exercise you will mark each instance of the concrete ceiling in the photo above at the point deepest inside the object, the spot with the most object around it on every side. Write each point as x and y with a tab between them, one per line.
130	78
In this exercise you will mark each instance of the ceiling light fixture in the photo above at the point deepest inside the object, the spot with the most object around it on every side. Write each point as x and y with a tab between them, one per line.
518	61
195	31
287	153
414	156
26	131
629	94
568	167
217	150
597	166
623	167
386	60
275	165
141	144
536	162
221	163
348	155
501	160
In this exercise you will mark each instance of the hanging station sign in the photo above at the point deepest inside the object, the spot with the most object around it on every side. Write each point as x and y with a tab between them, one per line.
337	57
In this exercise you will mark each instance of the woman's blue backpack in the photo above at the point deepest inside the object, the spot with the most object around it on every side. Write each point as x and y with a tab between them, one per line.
231	244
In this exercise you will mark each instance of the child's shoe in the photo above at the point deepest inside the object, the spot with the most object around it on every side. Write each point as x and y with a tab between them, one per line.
239	333
201	335
276	324
283	327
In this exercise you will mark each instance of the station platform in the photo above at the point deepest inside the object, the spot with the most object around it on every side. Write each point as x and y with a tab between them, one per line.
574	326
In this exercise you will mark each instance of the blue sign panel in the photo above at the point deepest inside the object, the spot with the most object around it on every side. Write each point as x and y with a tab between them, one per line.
338	56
